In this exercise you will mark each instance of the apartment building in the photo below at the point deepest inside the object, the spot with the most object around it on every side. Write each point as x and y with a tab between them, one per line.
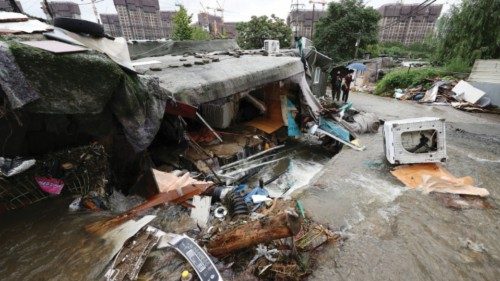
167	27
111	24
301	21
6	6
62	9
139	19
407	24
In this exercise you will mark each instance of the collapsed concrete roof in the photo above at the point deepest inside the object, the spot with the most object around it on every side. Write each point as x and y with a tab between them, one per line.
198	84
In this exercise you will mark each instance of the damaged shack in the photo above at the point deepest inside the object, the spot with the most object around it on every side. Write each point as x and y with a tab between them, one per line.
194	128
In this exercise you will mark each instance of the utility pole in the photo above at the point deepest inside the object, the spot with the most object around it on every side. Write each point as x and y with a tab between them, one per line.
357	45
49	11
95	12
314	2
294	7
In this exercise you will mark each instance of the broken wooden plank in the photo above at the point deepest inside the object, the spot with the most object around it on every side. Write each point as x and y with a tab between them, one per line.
282	225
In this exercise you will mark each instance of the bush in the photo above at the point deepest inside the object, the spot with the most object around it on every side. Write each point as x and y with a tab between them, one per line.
458	66
404	78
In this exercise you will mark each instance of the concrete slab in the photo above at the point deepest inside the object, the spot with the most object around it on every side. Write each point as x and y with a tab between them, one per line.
202	83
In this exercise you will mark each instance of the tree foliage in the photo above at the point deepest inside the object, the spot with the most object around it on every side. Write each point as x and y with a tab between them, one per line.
345	21
397	49
200	34
251	35
182	28
468	32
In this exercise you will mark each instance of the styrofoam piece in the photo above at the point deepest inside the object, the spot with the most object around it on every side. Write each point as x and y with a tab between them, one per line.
201	211
139	63
393	140
12	17
467	92
28	26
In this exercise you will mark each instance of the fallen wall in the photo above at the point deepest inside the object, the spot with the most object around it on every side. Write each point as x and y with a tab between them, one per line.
140	50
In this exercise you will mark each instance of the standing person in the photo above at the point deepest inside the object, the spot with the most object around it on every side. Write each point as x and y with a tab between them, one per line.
336	85
346	86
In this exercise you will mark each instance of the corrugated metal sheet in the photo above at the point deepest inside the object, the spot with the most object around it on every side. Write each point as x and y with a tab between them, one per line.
485	71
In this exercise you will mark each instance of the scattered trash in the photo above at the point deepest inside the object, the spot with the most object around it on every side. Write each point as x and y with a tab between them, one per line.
474	246
314	238
50	185
467	92
398	93
220	212
186	276
431	94
11	167
433	177
75	204
201	211
262	251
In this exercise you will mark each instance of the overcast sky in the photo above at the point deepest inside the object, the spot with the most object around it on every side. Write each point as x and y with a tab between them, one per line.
234	10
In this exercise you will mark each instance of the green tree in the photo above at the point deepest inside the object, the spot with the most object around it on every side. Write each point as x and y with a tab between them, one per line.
346	22
182	28
251	35
200	34
468	32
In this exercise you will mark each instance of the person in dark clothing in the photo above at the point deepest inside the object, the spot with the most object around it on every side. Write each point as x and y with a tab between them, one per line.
346	86
336	85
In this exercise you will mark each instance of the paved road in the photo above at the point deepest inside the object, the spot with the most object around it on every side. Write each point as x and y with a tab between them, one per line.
400	234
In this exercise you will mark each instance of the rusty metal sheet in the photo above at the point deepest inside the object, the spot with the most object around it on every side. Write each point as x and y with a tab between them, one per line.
55	46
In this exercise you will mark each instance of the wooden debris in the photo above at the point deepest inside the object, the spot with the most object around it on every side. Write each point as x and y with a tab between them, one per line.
283	225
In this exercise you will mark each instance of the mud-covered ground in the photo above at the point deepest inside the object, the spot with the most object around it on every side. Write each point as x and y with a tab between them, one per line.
400	234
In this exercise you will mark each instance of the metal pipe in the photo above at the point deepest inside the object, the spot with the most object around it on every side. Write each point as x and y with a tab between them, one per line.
251	167
257	103
251	157
209	127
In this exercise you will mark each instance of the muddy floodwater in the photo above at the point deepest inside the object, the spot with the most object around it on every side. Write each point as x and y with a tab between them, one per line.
46	241
394	233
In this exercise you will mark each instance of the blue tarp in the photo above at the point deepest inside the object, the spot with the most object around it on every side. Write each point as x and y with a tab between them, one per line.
293	128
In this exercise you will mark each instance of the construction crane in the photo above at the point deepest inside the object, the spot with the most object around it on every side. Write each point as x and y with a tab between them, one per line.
220	9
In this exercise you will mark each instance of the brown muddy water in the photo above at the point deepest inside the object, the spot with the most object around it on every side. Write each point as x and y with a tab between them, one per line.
394	233
46	241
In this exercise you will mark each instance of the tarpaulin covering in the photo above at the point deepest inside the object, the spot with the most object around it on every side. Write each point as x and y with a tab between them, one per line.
139	105
334	129
12	80
82	84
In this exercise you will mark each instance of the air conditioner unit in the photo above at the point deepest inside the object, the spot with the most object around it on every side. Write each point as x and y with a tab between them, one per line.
218	113
272	46
415	140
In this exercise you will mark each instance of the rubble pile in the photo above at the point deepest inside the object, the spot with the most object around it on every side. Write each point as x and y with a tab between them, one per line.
459	94
243	231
